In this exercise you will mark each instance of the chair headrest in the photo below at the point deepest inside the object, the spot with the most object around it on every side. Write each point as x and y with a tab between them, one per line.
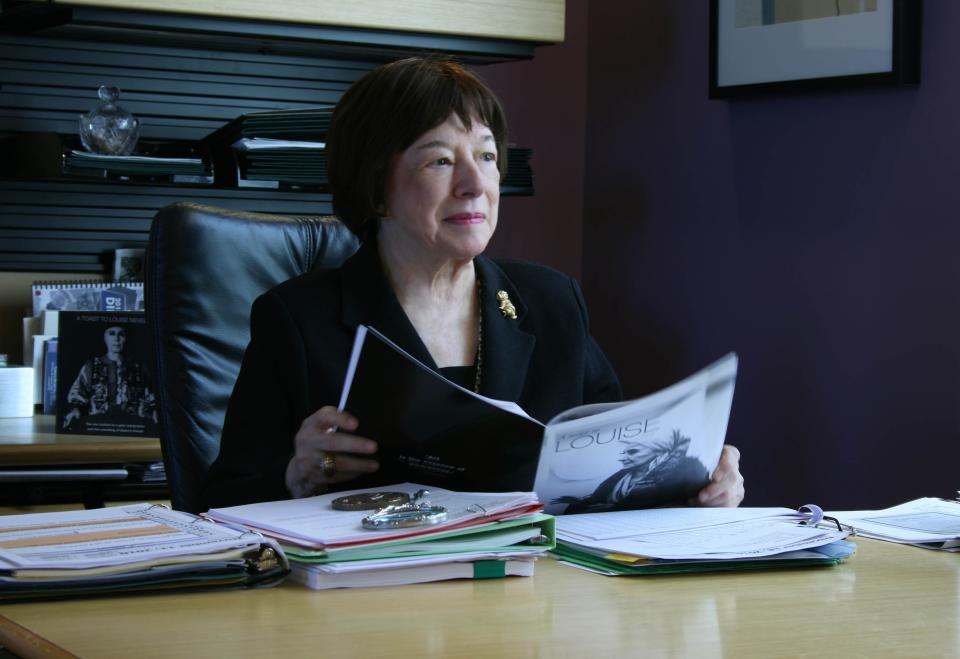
204	268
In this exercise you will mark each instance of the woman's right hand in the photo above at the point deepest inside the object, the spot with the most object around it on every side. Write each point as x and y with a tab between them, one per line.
324	455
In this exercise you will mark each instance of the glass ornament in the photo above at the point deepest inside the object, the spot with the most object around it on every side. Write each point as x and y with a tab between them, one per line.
109	128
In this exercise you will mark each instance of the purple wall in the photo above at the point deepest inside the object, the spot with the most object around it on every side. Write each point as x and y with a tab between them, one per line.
546	102
816	235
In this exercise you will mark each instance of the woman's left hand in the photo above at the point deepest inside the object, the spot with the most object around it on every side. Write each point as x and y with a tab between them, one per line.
726	485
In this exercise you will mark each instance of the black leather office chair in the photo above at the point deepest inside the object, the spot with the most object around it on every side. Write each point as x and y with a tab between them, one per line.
204	268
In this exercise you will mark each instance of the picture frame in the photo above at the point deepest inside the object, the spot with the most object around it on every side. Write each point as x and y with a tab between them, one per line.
104	381
771	46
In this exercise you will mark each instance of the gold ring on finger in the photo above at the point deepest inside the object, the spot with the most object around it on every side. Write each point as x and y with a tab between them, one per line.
329	465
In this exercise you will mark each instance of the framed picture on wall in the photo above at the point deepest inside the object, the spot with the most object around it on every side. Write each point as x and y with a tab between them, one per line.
760	46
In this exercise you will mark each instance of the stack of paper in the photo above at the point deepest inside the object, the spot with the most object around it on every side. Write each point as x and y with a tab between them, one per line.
667	540
280	146
928	522
147	165
128	548
303	124
484	535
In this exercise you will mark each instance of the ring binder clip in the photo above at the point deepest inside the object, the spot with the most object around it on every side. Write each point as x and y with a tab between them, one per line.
813	514
815	517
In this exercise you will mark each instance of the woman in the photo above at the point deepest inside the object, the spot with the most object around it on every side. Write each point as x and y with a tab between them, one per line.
109	385
415	155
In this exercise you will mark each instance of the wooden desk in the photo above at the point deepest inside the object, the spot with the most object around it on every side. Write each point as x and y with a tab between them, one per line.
889	601
35	441
38	465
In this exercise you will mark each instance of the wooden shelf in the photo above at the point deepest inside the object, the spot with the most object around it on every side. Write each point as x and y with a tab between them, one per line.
35	441
528	20
373	31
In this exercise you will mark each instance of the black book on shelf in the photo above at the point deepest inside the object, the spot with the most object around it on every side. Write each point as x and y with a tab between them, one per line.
104	386
518	178
307	124
266	149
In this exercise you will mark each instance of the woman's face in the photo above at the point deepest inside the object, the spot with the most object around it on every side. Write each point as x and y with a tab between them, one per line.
115	338
443	193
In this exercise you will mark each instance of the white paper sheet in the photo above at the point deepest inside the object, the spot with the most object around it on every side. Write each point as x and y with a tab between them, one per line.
109	536
632	523
926	520
693	536
585	449
312	521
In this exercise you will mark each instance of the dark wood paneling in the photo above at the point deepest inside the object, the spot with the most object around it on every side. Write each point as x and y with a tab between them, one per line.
176	93
66	226
183	77
180	94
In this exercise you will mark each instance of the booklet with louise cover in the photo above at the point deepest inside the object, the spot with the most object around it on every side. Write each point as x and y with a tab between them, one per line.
645	452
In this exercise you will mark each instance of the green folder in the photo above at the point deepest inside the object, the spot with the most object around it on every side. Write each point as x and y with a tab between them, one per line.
538	532
833	553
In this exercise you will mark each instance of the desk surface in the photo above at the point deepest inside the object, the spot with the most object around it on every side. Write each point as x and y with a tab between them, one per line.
890	600
34	441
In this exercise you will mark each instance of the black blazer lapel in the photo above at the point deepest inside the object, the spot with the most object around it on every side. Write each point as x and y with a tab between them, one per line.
507	346
367	299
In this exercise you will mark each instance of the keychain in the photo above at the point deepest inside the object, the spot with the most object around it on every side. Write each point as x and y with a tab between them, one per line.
369	500
417	512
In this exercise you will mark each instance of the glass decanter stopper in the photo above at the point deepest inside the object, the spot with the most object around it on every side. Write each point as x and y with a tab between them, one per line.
109	128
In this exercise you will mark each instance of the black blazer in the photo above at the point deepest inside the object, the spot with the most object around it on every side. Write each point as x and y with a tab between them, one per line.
301	335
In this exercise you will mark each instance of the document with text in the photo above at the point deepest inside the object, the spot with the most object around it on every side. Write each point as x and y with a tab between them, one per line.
649	451
129	548
929	522
641	453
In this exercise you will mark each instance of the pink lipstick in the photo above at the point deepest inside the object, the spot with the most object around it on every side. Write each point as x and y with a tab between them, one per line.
466	218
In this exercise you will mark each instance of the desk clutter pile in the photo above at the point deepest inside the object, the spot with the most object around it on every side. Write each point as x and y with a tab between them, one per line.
406	534
350	539
124	549
344	540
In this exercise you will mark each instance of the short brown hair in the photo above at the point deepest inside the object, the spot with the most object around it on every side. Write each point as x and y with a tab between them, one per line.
383	113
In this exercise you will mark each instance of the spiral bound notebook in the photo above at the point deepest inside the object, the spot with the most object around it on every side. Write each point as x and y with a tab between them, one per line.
129	549
87	296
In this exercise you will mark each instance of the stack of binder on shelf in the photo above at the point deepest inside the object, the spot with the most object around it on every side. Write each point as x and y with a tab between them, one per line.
307	124
679	540
286	161
276	147
139	547
928	522
481	535
518	179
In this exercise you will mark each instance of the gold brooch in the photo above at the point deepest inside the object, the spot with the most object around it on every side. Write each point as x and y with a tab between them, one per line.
506	306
